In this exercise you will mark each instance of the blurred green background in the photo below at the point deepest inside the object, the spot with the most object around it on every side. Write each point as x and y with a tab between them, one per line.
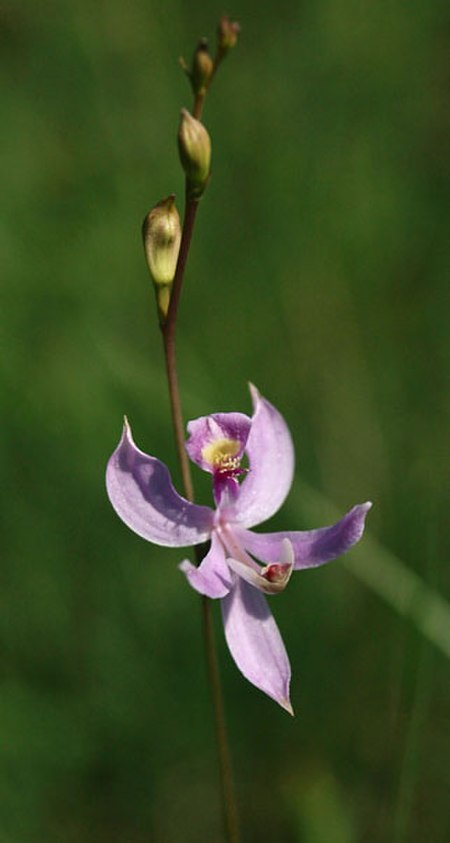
317	272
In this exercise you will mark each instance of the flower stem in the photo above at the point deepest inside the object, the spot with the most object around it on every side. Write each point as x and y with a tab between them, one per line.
198	105
226	775
168	332
169	336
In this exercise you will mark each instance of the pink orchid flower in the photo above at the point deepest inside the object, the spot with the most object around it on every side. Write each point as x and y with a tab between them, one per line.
141	491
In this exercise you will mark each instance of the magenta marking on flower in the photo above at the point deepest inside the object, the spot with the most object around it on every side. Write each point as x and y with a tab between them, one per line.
141	491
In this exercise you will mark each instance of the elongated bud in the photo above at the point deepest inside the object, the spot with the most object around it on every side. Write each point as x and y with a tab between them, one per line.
194	146
227	35
161	232
202	68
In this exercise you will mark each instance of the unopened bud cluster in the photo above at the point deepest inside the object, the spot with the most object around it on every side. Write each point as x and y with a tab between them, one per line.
203	65
161	229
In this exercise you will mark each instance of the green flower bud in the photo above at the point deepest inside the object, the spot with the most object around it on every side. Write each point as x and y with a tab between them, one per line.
202	68
194	146
227	35
161	232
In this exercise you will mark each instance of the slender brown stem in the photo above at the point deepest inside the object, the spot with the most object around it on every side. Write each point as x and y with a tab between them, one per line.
168	332
169	328
169	336
198	105
226	774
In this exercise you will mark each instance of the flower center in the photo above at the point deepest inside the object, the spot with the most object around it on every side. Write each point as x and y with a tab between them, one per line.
221	455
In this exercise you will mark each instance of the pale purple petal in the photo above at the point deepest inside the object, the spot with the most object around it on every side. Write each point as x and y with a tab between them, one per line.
255	642
206	432
141	492
212	577
311	547
271	458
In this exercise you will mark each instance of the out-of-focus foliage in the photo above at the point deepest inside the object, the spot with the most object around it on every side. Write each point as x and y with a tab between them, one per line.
317	271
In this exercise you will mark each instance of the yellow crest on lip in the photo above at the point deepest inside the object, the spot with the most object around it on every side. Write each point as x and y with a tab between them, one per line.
222	453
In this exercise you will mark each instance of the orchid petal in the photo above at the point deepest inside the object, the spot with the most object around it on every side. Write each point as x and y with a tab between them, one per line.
271	458
141	491
311	547
212	577
255	642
